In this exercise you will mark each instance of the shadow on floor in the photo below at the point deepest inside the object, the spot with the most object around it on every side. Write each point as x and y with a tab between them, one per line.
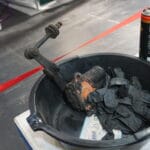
10	17
15	17
25	24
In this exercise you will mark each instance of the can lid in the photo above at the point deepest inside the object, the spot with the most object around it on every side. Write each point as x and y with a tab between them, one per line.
146	12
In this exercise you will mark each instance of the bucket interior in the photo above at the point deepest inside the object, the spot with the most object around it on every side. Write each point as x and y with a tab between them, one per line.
51	104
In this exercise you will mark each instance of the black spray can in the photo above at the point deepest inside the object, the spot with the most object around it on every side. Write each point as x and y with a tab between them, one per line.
145	35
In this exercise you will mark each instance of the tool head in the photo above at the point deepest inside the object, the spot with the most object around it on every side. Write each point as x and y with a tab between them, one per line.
78	90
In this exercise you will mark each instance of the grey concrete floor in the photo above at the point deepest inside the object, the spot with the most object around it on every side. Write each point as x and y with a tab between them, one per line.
82	20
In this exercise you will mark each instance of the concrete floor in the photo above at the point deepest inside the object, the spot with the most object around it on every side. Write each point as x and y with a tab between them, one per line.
82	20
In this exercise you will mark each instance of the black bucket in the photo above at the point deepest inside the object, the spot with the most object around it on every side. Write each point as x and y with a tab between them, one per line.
51	113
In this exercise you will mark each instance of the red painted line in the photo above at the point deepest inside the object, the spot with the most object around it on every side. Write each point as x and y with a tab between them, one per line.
6	85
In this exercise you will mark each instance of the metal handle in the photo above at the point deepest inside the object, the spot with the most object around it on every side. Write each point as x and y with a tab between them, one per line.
52	31
50	68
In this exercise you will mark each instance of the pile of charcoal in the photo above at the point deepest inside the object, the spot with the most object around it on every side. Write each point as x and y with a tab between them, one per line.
121	104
